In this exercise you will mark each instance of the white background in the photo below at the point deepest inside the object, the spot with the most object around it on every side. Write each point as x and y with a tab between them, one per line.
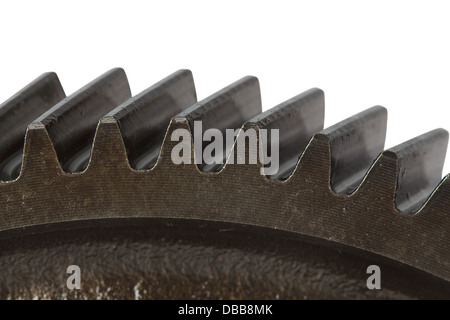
361	53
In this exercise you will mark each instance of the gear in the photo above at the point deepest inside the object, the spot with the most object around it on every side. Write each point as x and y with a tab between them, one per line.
94	185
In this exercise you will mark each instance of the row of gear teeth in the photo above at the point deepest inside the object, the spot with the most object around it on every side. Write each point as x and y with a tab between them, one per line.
102	153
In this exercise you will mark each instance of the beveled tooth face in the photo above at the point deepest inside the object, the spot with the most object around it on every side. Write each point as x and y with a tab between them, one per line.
296	120
355	143
228	108
420	162
143	119
17	113
71	123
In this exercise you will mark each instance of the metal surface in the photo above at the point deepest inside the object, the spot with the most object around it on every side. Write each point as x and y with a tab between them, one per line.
17	113
342	193
191	259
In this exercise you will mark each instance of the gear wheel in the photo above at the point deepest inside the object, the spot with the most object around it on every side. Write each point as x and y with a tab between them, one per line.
88	180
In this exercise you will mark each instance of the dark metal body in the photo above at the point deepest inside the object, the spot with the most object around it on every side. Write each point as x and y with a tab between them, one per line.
263	237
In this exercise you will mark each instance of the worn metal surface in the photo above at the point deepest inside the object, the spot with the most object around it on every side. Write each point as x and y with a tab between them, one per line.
191	259
336	193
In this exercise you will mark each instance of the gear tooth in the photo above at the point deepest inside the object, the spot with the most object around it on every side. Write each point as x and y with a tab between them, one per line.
313	167
419	168
379	184
228	108
244	154
170	141
108	149
39	156
143	119
355	143
71	123
297	120
17	113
